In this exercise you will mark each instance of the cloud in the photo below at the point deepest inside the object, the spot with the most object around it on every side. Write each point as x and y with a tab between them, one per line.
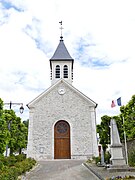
99	35
9	5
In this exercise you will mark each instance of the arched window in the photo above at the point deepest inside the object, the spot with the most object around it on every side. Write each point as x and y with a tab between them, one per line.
65	71
57	71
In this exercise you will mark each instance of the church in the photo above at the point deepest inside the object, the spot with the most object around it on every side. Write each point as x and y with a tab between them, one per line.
62	120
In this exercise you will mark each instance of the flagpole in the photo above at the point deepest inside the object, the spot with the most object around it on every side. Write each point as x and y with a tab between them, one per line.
125	139
126	153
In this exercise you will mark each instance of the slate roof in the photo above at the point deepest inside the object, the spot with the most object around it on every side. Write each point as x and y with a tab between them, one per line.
61	52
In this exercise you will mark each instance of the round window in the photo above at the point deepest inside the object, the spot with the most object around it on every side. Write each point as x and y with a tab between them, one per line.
62	127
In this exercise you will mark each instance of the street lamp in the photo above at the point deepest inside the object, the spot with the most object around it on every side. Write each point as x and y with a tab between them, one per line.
10	106
21	109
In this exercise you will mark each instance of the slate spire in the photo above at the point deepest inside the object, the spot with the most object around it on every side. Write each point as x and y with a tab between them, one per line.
61	63
61	52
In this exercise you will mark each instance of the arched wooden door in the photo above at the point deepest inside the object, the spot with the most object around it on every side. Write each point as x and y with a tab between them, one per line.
62	140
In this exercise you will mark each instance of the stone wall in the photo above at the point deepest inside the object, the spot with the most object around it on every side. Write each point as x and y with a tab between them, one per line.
69	107
130	146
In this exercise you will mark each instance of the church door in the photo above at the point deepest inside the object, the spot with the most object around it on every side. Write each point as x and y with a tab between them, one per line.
62	140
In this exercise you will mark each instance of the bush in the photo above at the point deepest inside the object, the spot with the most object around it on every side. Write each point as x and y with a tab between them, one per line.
9	174
107	157
11	160
8	161
97	159
1	165
20	157
15	168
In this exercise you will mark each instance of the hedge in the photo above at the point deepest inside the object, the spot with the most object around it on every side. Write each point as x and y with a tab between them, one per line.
14	166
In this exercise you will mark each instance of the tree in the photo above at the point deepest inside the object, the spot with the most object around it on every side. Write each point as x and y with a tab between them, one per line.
13	132
104	131
18	132
1	107
128	113
20	135
4	134
26	123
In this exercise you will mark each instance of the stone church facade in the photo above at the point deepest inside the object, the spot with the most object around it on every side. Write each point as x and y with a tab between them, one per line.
62	120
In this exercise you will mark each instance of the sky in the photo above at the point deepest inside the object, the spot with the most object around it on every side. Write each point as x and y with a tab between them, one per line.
99	35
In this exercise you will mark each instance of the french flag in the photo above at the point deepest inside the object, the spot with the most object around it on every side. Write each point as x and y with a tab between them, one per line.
117	103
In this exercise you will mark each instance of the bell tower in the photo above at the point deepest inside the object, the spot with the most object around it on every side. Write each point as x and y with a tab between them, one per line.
61	63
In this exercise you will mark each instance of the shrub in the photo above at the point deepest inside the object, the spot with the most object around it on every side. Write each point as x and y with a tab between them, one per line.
25	165
1	165
20	168
14	168
107	157
97	159
1	157
9	174
20	157
11	160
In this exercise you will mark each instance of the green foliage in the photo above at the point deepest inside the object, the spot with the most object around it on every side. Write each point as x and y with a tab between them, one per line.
128	113
131	158
107	158
125	121
25	165
18	132
4	134
104	131
1	107
1	165
9	161
13	132
20	157
26	123
12	167
119	122
97	159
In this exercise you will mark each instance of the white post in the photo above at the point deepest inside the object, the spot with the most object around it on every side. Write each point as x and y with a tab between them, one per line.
102	156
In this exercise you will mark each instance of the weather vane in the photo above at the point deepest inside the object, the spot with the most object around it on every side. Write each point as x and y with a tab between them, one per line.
61	29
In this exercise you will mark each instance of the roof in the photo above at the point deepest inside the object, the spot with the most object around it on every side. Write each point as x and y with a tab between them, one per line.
61	52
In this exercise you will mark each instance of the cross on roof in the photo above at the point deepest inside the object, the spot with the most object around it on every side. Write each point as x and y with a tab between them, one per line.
61	37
